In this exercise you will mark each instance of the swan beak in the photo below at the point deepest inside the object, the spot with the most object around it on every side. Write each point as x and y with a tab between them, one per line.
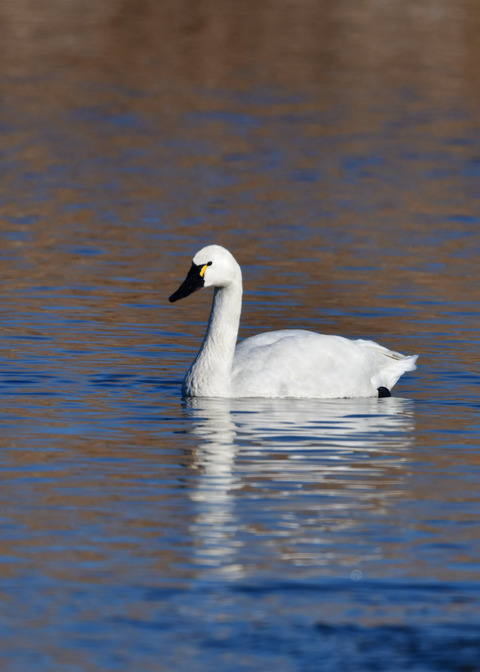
193	282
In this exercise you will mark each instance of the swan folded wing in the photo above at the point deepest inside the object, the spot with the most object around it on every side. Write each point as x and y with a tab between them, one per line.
297	363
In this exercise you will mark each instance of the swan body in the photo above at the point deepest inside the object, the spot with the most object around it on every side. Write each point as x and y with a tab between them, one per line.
288	363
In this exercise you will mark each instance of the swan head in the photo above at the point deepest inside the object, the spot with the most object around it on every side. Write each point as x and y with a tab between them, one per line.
212	266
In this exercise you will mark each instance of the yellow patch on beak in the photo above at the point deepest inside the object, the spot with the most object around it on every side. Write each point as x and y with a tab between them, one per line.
204	268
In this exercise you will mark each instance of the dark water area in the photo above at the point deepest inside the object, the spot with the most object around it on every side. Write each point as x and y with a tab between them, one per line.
335	150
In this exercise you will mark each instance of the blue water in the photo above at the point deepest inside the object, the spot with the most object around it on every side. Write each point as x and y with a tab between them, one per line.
143	532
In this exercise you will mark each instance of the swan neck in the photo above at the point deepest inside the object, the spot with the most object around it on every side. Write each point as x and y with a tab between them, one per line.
225	314
210	374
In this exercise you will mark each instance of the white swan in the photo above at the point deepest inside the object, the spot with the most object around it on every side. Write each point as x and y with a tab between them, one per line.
288	363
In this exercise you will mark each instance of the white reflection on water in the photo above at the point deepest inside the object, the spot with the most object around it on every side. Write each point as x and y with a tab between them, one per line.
272	471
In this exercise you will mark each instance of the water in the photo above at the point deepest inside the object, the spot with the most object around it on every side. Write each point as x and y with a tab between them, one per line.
335	152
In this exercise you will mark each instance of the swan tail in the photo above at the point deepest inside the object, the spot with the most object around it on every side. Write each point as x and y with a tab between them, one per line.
389	376
390	365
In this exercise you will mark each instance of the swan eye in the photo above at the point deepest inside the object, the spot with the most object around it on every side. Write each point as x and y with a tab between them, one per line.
204	268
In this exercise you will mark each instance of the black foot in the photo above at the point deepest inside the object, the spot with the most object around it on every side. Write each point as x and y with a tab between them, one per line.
384	392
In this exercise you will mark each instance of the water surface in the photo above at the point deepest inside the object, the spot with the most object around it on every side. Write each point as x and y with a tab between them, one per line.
336	153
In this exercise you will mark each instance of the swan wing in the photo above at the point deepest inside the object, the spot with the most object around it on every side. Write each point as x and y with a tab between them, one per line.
298	363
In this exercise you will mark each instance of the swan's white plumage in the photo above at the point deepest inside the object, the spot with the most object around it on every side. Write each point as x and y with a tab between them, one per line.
288	363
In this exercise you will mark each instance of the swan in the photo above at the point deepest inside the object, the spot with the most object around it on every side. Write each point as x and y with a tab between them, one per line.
289	363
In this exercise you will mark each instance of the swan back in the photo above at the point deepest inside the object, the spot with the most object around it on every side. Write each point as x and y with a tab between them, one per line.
298	363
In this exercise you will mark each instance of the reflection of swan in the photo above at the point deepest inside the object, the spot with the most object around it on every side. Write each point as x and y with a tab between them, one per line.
307	423
215	458
215	454
288	363
279	455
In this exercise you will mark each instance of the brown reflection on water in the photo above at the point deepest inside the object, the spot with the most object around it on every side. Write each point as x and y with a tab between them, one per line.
212	41
163	59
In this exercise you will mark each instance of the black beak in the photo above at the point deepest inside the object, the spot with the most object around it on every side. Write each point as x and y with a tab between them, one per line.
192	283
